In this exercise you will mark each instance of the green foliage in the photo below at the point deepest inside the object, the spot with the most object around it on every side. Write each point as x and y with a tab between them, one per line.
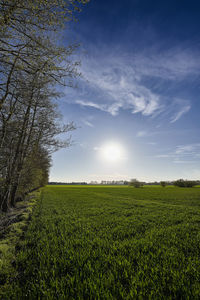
163	183
33	62
185	183
111	243
35	171
10	238
135	183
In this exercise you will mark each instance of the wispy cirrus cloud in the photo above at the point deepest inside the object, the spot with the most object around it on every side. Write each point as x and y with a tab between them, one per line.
180	113
189	149
112	109
116	87
189	153
88	121
137	82
89	103
184	161
176	63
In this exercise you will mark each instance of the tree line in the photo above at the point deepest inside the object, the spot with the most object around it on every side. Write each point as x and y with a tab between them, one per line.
33	62
180	183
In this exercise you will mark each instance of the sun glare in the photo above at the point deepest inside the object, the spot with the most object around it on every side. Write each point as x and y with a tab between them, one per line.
111	152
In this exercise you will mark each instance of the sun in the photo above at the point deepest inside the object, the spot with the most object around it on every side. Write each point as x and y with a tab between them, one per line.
111	152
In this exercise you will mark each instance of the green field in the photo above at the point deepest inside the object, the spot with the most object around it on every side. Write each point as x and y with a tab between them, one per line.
111	243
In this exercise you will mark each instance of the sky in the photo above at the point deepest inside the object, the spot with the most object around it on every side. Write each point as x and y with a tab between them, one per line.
137	102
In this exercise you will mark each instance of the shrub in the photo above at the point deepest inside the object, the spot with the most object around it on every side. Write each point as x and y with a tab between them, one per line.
163	183
135	183
185	183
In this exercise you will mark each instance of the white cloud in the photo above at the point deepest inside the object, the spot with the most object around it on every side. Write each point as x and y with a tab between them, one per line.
112	82
183	154
89	103
114	85
83	145
164	155
172	64
96	148
184	161
88	123
141	133
179	114
188	149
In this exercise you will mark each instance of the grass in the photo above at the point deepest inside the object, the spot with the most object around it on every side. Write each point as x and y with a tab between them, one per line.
111	243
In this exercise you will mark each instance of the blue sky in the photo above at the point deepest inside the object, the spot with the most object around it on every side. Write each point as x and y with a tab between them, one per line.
139	91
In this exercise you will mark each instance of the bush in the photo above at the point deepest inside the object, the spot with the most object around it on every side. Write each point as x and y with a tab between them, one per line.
135	183
185	183
163	183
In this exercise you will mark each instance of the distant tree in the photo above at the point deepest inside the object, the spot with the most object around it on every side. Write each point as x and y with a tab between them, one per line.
126	182
185	183
135	183
163	183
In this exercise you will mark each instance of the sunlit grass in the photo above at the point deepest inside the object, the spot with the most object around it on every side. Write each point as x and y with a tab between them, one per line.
111	243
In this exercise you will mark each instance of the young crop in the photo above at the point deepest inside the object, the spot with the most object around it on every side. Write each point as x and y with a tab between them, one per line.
111	243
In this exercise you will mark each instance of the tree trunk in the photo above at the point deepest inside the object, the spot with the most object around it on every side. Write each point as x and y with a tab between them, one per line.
5	200
4	205
13	196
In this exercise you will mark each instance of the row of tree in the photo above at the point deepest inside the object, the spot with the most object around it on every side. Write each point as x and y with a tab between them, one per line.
186	183
180	183
32	63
